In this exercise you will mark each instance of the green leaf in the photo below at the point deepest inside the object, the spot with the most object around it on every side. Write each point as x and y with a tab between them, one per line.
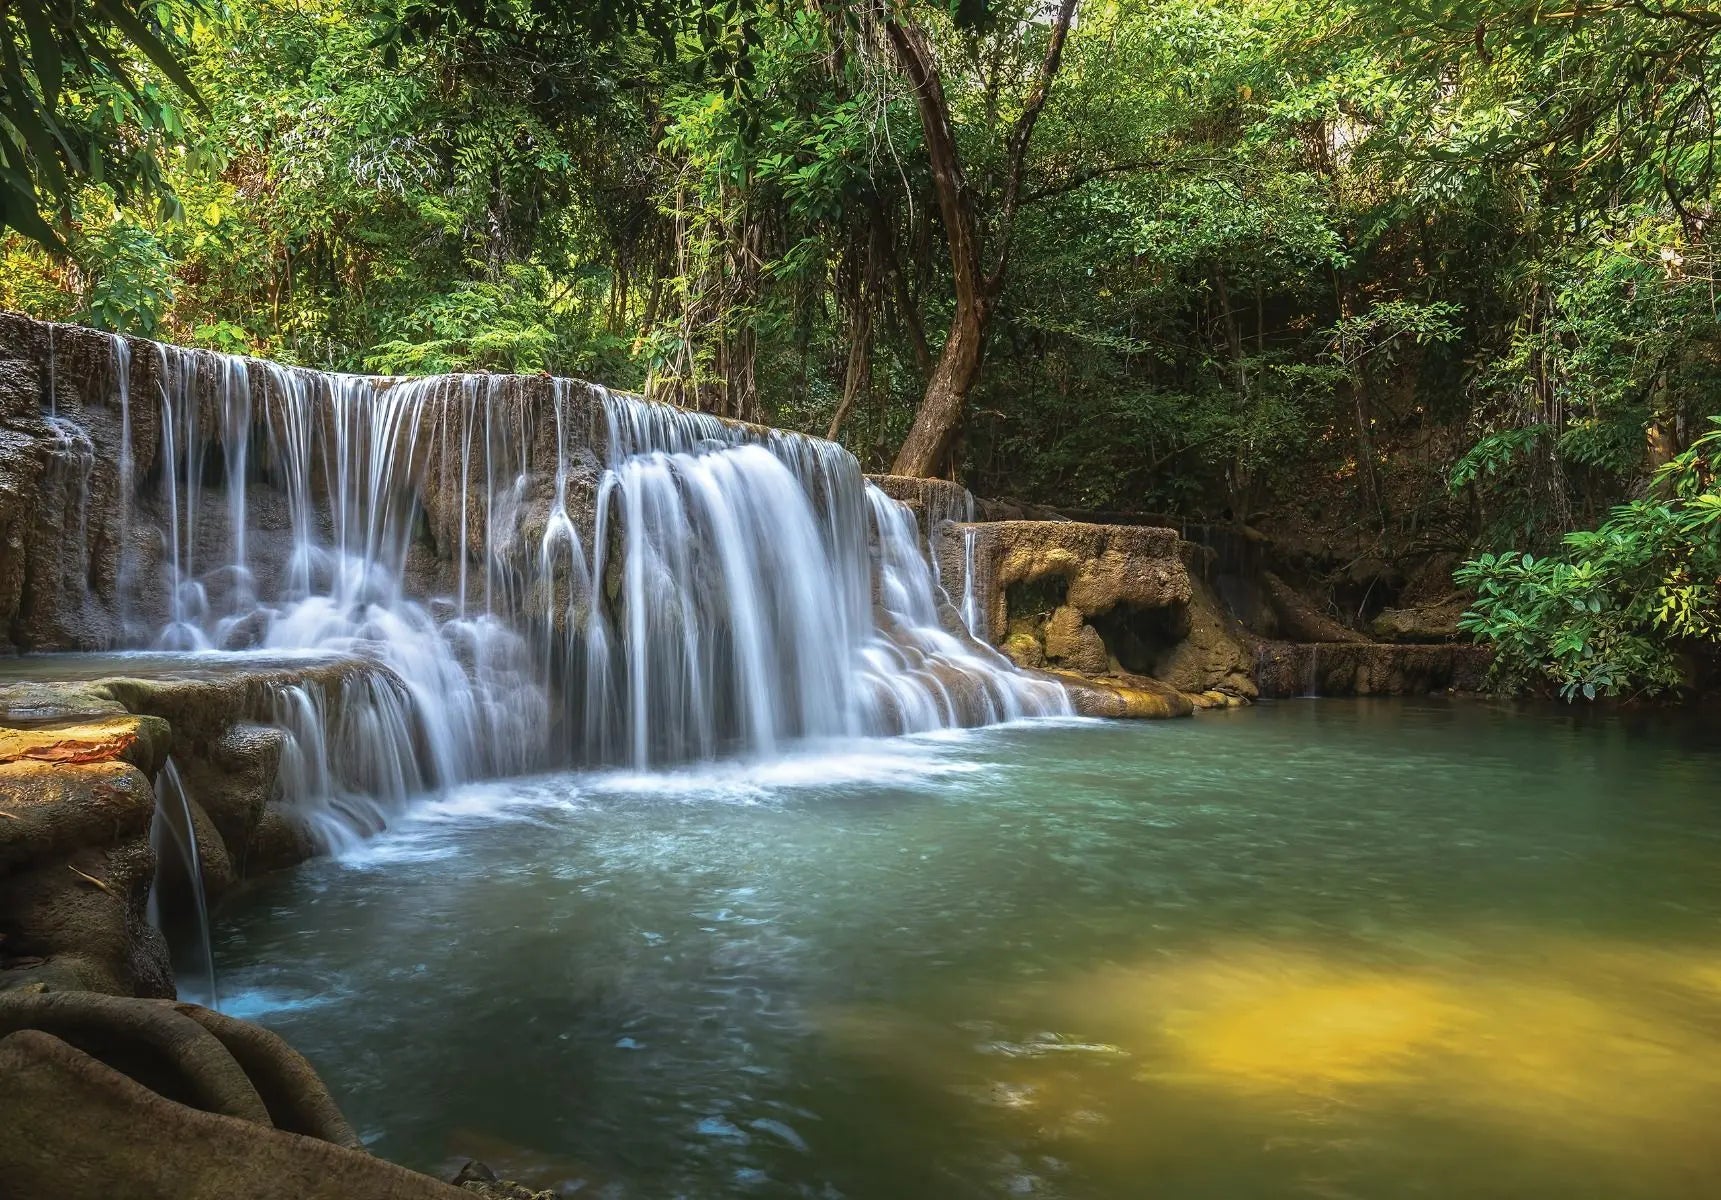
141	36
44	52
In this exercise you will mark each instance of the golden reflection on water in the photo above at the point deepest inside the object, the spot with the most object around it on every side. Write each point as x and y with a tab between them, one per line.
1546	1054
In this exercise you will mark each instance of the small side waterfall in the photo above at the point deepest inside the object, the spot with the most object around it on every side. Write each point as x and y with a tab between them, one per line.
179	873
973	617
937	677
541	572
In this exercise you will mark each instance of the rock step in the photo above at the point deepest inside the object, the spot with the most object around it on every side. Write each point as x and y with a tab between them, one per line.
1286	669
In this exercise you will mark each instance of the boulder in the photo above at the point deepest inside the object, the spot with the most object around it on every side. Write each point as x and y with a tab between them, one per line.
102	1097
1435	622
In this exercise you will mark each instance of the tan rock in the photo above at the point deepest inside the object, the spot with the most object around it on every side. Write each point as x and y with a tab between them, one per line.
1074	645
142	741
1025	650
1126	696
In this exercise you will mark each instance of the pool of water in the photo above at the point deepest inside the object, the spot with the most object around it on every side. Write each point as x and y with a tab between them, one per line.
1322	948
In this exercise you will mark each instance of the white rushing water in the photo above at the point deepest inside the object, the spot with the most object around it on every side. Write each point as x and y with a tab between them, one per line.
704	589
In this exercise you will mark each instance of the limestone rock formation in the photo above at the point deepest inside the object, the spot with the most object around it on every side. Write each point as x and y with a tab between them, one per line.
1097	601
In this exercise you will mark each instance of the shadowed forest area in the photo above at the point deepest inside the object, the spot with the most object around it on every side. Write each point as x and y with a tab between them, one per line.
1392	290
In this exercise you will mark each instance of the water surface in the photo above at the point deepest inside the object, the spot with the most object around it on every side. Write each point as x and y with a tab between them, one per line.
1325	949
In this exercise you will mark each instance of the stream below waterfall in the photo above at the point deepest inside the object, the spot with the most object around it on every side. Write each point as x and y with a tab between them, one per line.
1313	948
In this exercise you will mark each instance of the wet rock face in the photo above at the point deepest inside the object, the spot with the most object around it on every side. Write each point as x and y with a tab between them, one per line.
60	539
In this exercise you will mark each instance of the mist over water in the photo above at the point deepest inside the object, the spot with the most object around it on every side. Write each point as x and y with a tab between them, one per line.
1314	948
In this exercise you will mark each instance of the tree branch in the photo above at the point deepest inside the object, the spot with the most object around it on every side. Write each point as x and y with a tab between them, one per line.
1023	133
1080	179
950	183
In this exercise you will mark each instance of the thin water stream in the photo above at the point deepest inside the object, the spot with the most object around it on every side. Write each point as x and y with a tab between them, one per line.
1315	948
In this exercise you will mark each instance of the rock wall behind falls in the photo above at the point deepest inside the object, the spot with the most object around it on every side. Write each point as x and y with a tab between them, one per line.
119	456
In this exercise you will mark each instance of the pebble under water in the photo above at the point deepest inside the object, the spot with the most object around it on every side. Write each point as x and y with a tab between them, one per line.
1317	948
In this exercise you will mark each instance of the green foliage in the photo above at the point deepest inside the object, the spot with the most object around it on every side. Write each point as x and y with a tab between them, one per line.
129	277
1612	614
79	103
477	327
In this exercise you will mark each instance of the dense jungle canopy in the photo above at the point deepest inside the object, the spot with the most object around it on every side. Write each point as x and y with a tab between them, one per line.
1401	284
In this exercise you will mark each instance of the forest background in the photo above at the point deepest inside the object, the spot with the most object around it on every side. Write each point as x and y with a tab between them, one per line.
1396	288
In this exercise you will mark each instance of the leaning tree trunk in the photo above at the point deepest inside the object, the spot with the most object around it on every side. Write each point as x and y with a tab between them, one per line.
926	449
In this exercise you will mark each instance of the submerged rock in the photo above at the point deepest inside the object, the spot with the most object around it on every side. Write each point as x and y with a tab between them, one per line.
480	1180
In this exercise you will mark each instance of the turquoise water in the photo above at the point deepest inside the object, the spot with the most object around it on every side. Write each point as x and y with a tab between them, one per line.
1323	948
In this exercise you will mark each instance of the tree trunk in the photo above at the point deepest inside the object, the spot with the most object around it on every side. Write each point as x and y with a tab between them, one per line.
927	449
928	443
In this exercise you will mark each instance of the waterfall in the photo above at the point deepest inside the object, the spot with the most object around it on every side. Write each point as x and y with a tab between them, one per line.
537	572
748	565
173	837
973	619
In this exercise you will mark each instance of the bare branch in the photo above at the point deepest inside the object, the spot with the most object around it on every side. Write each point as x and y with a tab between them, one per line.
1023	133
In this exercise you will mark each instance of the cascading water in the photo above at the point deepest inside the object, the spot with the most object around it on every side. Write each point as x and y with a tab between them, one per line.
706	588
179	872
940	677
747	618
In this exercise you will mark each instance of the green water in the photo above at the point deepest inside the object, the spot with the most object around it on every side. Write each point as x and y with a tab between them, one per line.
1327	949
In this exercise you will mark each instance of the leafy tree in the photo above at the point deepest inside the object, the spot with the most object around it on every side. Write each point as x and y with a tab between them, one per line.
75	108
1614	614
